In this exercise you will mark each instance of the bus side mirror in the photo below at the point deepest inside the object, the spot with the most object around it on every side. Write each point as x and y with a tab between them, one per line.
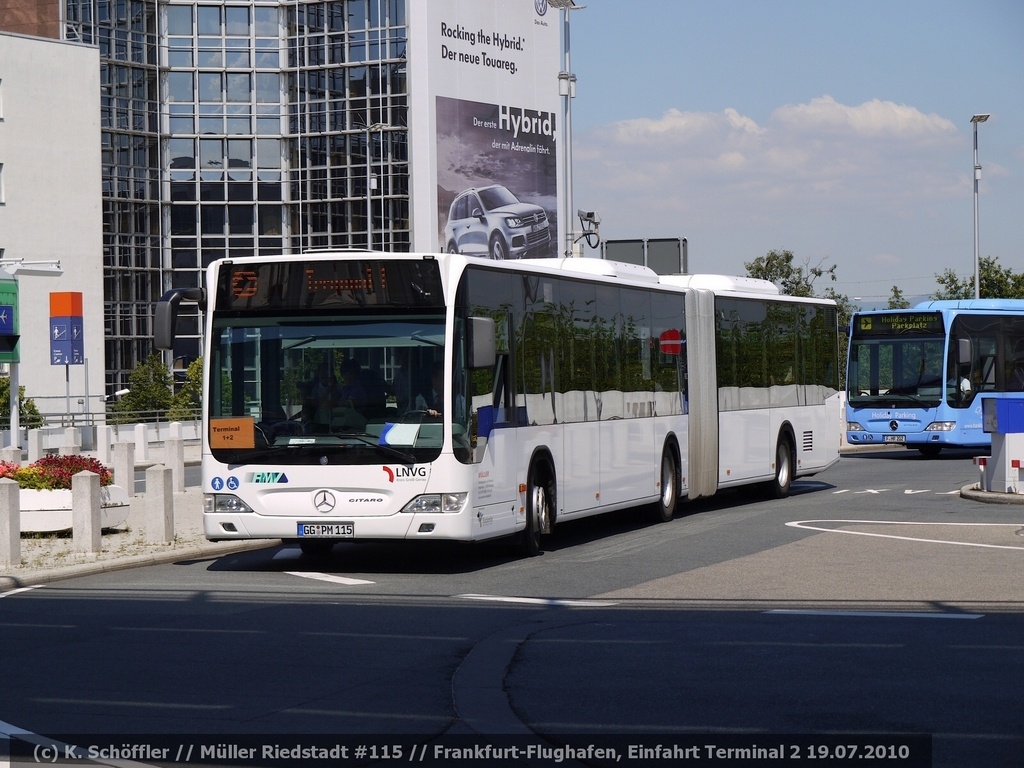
481	342
166	318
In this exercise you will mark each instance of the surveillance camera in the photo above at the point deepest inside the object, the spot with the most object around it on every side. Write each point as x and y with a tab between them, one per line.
590	216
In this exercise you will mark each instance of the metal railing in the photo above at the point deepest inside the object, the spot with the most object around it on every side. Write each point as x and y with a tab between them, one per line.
97	439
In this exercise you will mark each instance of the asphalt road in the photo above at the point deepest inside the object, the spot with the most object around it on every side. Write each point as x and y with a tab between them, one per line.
875	600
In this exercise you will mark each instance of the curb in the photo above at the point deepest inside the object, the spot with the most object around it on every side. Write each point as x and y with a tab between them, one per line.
12	581
972	493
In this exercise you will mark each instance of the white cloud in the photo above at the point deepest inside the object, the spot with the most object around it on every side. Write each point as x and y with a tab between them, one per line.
872	119
807	154
822	175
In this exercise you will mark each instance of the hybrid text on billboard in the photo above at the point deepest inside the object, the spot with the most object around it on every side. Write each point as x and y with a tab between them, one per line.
520	120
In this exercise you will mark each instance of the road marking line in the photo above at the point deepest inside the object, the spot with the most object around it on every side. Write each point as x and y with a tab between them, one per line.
878	614
541	601
806	525
328	577
11	592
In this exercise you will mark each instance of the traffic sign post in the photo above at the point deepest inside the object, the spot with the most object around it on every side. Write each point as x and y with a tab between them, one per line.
9	334
67	338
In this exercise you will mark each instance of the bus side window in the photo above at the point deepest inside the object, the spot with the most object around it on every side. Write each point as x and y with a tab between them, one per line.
1016	381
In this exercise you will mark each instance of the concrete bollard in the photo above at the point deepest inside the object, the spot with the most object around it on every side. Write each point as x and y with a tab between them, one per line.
104	438
159	505
124	466
86	509
10	523
10	455
73	436
35	445
174	458
142	442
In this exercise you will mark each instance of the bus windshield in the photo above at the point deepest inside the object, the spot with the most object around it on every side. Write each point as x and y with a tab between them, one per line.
899	370
326	388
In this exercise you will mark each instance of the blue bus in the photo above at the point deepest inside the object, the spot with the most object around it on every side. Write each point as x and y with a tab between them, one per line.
916	377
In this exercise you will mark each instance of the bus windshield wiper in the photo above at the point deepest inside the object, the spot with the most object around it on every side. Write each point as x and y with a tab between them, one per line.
373	441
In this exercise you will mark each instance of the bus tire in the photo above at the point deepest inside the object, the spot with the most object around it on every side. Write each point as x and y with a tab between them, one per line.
779	487
539	503
664	508
930	450
316	547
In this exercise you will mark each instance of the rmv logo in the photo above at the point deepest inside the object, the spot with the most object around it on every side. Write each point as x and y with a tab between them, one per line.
404	472
268	477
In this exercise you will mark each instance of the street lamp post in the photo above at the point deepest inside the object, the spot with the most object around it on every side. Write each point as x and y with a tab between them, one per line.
977	177
567	90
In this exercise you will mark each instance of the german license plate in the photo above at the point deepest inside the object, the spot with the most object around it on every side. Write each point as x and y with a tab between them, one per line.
894	439
327	530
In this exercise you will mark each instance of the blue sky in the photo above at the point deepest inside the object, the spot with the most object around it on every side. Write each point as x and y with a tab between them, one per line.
839	131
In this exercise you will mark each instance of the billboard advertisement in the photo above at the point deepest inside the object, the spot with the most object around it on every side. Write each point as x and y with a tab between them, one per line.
485	119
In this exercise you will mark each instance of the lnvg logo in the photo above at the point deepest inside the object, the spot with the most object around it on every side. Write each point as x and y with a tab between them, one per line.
405	473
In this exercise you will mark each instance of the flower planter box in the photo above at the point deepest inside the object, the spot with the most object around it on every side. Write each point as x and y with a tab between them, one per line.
50	511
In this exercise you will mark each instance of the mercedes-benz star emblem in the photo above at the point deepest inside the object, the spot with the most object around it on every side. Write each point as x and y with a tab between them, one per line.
323	501
894	425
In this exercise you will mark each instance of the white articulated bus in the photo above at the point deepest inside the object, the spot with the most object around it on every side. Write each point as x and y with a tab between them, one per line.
360	395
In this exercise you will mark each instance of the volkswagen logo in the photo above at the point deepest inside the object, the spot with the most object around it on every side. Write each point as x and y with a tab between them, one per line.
323	501
894	425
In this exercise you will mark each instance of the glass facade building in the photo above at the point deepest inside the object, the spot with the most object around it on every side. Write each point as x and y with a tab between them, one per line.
237	128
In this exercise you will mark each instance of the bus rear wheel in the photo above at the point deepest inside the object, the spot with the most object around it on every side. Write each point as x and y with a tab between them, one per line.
779	487
664	508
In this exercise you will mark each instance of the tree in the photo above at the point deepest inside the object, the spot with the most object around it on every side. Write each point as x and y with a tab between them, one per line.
897	300
28	414
186	402
777	267
149	395
994	282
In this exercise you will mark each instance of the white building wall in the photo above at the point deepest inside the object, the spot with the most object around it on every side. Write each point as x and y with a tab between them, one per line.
50	151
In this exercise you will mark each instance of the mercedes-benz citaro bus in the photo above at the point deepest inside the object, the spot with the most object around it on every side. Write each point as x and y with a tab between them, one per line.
367	396
916	377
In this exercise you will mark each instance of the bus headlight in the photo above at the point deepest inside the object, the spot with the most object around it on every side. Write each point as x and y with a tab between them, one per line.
941	426
223	502
436	503
853	426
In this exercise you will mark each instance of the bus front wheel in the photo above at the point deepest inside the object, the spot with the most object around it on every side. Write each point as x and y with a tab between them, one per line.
539	503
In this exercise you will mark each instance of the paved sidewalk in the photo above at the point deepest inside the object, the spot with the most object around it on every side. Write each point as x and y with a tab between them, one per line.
52	557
